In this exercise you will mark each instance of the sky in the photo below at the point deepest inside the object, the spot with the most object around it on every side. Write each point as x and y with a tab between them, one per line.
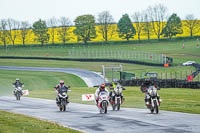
32	10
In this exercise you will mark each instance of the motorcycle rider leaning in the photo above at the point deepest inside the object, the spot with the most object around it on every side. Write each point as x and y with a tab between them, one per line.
18	84
58	88
101	88
144	88
112	87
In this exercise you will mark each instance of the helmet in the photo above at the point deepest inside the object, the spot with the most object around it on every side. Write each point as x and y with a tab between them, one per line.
17	79
61	82
102	87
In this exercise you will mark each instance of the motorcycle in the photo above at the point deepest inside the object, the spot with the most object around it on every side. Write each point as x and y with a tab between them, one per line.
116	100
154	100
103	102
18	92
63	98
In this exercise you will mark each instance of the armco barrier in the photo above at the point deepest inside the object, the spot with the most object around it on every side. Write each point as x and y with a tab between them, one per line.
84	60
164	83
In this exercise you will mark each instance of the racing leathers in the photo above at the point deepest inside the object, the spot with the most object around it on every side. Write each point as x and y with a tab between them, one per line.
98	91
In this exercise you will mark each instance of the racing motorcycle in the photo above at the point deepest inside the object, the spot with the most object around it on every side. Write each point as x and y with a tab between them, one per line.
154	99
116	100
63	98
18	91
103	102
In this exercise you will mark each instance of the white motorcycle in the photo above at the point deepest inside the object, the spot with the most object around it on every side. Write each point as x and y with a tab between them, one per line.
116	100
103	102
18	92
154	101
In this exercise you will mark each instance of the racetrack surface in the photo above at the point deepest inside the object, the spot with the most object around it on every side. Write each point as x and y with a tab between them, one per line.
87	117
90	78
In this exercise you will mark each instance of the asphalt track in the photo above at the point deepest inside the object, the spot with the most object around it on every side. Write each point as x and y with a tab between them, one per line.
90	78
87	117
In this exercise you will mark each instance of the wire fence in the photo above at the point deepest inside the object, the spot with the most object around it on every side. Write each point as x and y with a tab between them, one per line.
118	54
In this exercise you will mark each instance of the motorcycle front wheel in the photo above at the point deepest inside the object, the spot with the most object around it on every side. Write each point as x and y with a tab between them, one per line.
118	104
156	107
104	106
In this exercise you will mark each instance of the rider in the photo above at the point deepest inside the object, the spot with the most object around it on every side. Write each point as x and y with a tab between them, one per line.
144	88
112	86
101	88
18	84
58	88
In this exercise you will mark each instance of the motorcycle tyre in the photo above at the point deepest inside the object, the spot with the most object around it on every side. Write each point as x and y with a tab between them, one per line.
118	104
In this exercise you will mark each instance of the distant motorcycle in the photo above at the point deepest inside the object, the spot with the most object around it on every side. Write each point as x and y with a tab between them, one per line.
154	100
116	100
103	102
18	91
63	98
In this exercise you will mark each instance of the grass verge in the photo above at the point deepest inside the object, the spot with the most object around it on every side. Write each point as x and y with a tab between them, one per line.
16	123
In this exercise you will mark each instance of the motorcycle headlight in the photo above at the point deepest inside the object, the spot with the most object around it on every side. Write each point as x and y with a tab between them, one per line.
155	90
64	93
150	91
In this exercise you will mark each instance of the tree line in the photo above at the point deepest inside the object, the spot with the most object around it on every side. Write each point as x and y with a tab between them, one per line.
151	21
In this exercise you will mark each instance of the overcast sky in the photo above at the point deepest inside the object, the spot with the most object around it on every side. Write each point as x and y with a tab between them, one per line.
32	10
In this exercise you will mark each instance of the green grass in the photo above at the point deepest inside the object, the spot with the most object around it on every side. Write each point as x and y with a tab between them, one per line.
36	80
15	123
170	48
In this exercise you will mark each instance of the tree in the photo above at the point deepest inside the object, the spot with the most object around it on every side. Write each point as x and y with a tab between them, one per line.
138	18
52	24
157	15
40	30
125	28
147	27
3	32
106	25
13	29
24	31
64	29
173	26
192	24
85	28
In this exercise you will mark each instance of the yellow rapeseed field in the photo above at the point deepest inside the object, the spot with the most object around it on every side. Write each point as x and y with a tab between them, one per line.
73	39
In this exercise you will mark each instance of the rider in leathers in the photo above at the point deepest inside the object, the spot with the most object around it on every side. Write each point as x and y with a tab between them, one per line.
100	89
18	84
57	88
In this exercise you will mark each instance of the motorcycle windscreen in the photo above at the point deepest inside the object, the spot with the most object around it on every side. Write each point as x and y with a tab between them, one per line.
103	93
63	89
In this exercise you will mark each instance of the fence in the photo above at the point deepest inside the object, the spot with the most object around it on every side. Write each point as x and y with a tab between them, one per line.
117	54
